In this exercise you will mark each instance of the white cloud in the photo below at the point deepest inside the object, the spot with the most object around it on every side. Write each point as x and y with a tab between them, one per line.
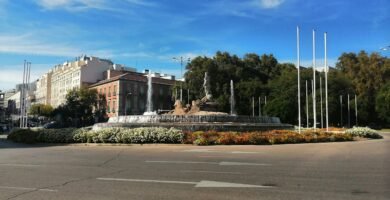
29	44
134	55
77	5
140	2
13	74
269	4
26	44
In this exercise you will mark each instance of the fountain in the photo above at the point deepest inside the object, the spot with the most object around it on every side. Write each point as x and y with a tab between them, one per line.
149	103
201	115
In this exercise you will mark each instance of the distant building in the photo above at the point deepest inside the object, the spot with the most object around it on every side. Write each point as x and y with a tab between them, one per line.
2	99
7	95
126	91
43	92
53	86
2	108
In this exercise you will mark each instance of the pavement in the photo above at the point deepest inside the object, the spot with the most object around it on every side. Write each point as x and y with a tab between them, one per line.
344	170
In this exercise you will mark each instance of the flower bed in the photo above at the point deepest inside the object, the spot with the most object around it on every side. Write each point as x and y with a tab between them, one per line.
258	138
109	135
172	135
363	132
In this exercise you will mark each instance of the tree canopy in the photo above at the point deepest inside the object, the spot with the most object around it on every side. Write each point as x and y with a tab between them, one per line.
41	110
257	76
82	108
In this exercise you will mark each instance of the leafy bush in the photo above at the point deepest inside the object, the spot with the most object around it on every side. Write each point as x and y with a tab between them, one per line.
267	137
28	136
363	132
56	135
109	135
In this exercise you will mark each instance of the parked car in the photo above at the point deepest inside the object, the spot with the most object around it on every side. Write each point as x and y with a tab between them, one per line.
52	125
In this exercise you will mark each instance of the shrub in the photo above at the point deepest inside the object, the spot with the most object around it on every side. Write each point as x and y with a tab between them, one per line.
109	135
56	135
136	135
81	135
267	137
363	132
28	136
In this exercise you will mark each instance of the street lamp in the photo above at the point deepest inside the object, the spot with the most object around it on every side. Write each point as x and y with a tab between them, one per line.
181	73
126	102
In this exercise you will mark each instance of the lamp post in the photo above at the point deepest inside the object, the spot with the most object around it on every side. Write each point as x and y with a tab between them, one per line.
126	102
181	74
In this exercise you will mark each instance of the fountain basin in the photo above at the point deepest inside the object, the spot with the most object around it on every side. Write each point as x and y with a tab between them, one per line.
196	122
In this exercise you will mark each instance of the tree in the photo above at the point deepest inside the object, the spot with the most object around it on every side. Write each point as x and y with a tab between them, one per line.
41	110
283	97
81	107
368	73
250	76
383	104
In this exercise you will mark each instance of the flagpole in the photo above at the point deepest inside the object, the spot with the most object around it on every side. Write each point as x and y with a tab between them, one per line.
326	85
21	97
322	117
349	114
259	106
299	84
307	107
356	111
314	81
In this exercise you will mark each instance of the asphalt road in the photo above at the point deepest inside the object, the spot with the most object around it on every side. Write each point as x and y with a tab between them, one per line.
348	170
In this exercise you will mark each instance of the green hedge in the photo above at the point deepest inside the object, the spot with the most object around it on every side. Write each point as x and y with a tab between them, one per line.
172	135
109	135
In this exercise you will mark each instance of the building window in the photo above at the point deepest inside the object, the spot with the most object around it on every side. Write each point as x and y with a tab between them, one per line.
114	92
109	91
108	106
141	89
113	106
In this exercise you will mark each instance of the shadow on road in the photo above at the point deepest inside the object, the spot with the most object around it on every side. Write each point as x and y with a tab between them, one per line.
7	144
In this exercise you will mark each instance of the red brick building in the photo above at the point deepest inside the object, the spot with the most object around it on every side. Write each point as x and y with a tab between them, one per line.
126	92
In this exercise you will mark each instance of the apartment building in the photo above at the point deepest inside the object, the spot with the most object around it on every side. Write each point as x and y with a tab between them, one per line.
43	91
2	108
126	91
84	71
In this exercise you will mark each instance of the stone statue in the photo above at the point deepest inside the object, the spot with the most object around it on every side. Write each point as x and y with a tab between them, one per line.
206	87
204	106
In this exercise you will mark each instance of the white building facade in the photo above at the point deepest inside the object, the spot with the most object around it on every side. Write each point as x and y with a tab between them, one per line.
53	86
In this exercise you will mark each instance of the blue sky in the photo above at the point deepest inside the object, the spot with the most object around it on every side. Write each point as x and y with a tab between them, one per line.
148	33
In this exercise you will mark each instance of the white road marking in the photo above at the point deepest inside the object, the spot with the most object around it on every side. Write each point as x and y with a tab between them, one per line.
223	163
200	150
200	184
211	172
19	165
215	184
242	163
244	152
146	181
24	188
180	162
215	151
